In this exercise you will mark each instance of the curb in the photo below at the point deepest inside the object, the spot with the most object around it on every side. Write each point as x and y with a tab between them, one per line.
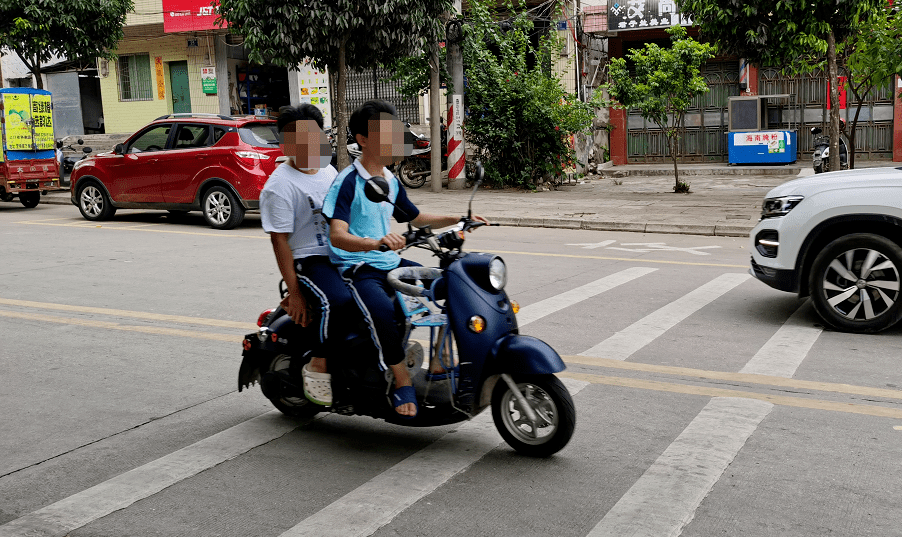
616	174
720	230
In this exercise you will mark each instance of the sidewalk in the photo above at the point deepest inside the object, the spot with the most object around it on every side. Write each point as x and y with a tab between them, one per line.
725	200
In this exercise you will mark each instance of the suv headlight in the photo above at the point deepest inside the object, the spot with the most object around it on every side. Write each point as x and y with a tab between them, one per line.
777	207
497	274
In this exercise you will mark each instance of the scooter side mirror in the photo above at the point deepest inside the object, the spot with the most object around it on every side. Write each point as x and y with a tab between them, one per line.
376	189
815	130
80	141
86	149
59	144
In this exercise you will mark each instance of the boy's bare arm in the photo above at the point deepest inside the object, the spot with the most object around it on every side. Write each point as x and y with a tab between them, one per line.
342	238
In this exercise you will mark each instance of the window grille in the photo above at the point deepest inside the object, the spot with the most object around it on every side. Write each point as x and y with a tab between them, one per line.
134	78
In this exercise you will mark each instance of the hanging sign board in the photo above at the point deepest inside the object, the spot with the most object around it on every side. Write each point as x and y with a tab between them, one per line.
42	119
642	14
189	15
161	80
314	87
17	117
208	79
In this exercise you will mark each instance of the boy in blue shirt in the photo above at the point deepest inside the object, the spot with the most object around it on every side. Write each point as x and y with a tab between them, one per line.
358	227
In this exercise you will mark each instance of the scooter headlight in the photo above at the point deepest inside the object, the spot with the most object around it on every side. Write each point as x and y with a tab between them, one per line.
497	274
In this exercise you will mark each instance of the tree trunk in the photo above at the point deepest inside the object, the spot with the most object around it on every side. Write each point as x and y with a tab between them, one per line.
673	155
834	101
853	128
435	114
341	120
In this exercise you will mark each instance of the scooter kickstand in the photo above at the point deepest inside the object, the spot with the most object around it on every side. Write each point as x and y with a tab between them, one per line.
524	404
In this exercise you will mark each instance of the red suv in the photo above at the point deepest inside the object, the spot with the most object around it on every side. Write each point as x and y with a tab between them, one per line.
180	163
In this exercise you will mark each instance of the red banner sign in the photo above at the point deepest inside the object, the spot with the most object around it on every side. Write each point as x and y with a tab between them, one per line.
189	16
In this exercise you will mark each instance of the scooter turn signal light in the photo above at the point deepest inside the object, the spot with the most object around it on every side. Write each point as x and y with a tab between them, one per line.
477	324
246	344
275	337
515	306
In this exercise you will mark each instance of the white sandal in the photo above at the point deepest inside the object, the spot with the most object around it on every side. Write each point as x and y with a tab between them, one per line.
317	386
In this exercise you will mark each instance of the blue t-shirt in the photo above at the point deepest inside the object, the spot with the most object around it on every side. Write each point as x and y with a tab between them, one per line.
346	201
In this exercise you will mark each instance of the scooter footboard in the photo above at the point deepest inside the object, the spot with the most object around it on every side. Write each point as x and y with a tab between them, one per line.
525	355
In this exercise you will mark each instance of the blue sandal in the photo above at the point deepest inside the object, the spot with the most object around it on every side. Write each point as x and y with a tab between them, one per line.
444	375
404	395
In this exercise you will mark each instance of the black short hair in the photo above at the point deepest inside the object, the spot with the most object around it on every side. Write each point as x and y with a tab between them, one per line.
290	114
360	119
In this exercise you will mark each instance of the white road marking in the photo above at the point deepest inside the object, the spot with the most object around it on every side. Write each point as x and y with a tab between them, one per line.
534	312
592	245
784	351
661	247
377	502
624	343
665	498
123	490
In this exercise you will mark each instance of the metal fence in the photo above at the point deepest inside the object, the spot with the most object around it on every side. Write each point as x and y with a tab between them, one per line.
370	84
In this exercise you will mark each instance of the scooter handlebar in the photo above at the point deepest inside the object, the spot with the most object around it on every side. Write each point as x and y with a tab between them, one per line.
411	273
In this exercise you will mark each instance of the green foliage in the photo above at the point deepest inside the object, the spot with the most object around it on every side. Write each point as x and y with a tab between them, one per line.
875	49
662	83
776	33
412	72
83	30
520	118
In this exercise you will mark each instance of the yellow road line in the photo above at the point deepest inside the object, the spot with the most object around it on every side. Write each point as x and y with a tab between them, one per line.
782	400
114	226
132	314
231	338
767	380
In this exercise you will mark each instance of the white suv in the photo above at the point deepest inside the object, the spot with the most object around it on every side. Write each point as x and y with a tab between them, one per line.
836	236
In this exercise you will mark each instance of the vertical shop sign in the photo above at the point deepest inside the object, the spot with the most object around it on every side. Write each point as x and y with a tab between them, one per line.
208	79
42	119
314	86
161	80
17	116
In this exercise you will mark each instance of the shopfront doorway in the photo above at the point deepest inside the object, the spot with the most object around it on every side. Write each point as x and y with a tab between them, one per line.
178	81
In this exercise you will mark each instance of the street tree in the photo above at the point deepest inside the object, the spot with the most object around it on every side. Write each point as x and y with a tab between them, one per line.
871	56
778	34
661	83
334	34
83	30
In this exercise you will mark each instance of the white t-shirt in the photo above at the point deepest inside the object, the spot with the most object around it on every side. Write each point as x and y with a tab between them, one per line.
292	202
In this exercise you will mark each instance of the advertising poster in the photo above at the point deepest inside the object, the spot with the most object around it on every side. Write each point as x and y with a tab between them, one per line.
640	14
775	141
17	116
208	79
42	119
189	16
314	87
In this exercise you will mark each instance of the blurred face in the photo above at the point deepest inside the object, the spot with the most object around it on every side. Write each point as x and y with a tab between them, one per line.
385	142
306	143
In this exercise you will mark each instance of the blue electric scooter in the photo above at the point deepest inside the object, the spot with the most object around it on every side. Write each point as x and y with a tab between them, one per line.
473	335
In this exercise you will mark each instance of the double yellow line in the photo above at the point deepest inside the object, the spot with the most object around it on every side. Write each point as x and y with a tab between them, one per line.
238	329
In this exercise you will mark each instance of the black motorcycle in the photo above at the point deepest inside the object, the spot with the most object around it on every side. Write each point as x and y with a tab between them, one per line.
821	155
67	163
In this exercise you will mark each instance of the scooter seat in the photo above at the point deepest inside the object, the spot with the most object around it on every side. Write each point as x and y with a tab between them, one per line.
436	319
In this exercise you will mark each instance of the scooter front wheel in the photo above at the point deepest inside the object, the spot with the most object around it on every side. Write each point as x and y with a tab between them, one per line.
552	405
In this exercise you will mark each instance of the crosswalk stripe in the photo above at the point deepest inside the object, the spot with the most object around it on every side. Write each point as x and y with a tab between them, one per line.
784	351
624	343
667	495
377	502
123	490
534	312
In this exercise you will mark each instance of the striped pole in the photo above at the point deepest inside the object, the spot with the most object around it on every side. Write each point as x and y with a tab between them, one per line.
457	157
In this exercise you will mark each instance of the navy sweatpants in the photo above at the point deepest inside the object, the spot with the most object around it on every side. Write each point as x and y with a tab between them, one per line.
382	311
333	303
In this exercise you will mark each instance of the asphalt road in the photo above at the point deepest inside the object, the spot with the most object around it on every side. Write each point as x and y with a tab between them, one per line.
707	403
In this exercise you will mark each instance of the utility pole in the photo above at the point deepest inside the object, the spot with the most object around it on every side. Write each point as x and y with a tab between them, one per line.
457	158
435	115
1	68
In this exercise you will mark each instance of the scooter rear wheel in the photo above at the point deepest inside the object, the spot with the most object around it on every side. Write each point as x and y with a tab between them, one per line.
553	406
293	405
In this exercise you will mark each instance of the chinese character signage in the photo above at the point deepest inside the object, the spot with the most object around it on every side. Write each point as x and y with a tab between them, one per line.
208	79
642	14
189	15
314	86
42	119
17	118
161	80
775	141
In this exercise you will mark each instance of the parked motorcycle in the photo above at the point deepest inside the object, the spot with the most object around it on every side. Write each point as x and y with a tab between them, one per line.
469	315
821	155
67	163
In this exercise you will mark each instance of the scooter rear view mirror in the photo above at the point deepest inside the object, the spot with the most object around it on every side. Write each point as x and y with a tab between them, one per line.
87	149
376	189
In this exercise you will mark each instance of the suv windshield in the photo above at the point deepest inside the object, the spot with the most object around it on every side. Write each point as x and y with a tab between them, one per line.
260	134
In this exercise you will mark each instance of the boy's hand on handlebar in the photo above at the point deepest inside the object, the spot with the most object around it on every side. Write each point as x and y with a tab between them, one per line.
392	241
